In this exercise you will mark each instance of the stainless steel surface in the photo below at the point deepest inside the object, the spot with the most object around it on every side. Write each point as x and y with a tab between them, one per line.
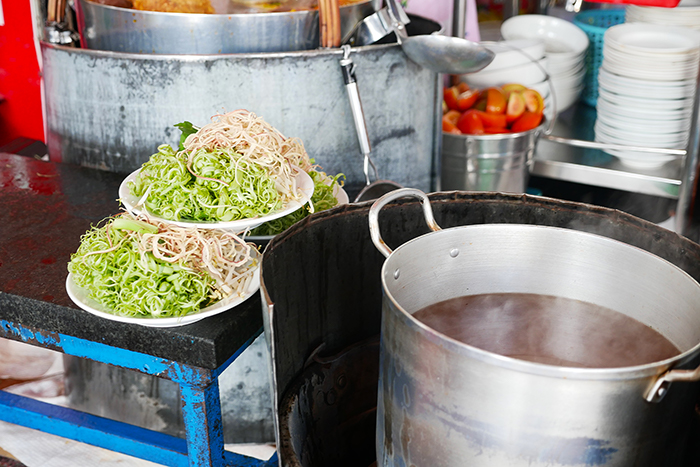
594	167
373	28
104	27
337	301
373	189
687	196
442	402
441	54
112	110
488	162
459	18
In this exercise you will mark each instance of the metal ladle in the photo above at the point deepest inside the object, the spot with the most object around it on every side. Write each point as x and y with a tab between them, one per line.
441	54
378	188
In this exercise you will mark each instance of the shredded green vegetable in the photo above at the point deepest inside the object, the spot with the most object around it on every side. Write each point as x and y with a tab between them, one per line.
220	186
321	200
128	286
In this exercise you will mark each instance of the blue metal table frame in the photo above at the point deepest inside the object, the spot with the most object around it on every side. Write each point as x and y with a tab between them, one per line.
47	207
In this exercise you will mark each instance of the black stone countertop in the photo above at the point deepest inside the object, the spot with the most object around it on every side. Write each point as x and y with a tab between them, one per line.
44	209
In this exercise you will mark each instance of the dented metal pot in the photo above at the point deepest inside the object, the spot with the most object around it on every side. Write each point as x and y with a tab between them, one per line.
442	402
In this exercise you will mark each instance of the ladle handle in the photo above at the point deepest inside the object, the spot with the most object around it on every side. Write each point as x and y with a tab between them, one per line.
389	197
661	385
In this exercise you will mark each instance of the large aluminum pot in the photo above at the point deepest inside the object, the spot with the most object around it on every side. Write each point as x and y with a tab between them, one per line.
445	403
112	110
106	27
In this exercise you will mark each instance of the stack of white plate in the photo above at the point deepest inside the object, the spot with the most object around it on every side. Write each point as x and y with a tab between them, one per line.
520	61
565	51
646	90
686	14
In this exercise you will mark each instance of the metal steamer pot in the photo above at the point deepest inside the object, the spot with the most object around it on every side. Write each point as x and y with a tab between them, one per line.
235	27
445	403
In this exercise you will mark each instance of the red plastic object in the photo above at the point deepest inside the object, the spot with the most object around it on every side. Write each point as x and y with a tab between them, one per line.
659	3
20	76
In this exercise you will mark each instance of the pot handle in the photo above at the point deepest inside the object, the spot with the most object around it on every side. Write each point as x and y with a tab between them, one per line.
389	197
660	387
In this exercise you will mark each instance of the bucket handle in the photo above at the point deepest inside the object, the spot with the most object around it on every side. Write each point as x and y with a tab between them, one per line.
389	197
661	385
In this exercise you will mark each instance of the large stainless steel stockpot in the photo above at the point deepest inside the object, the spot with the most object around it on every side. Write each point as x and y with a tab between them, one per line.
106	27
445	403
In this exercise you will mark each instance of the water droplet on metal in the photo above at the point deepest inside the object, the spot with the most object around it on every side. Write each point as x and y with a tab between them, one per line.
454	252
397	273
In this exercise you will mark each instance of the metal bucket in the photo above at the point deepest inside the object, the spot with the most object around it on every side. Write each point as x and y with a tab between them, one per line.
322	289
488	162
442	402
105	27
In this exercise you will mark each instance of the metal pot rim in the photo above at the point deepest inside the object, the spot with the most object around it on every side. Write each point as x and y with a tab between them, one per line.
96	53
540	369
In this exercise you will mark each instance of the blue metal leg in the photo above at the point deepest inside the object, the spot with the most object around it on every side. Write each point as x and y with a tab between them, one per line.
201	411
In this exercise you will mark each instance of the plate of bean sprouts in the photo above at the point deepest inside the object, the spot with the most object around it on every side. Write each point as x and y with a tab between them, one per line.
136	270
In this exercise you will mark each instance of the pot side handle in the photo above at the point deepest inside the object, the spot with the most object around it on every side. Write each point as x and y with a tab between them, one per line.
660	387
389	197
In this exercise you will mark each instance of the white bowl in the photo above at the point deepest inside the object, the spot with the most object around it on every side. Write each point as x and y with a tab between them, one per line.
559	36
525	74
557	69
566	97
645	126
641	138
513	53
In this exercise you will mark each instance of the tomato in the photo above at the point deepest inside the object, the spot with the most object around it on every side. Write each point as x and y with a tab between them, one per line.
449	121
480	103
462	87
495	101
470	123
449	127
492	120
452	116
510	88
527	121
516	106
467	99
533	101
450	96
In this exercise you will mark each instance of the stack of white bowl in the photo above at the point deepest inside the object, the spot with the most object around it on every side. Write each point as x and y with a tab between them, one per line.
686	14
646	88
517	61
565	50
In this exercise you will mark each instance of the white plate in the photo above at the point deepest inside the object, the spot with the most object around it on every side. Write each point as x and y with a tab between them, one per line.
641	83
642	114
634	159
654	75
80	297
646	126
340	195
652	38
648	103
304	183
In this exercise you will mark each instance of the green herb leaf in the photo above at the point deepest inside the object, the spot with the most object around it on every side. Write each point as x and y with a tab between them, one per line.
187	129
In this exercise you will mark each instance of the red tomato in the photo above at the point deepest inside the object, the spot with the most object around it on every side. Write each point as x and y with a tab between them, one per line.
492	120
528	121
467	99
462	87
516	106
450	96
449	122
495	101
533	101
470	123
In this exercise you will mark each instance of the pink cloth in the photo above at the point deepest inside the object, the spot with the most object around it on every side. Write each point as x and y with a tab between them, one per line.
441	11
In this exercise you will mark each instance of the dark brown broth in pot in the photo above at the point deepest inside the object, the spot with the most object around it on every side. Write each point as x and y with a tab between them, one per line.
546	329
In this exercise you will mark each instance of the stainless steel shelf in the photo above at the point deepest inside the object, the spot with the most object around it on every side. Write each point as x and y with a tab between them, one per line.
595	167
